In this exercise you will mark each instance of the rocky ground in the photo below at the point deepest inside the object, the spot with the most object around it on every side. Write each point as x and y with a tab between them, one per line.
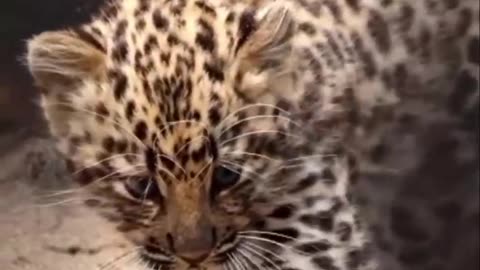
39	231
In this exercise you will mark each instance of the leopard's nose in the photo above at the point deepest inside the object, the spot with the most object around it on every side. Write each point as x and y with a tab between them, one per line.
195	246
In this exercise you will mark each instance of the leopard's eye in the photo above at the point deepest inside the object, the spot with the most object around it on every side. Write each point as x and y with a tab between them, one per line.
223	178
143	188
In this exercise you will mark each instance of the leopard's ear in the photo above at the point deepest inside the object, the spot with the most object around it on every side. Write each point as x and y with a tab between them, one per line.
263	49
64	58
62	63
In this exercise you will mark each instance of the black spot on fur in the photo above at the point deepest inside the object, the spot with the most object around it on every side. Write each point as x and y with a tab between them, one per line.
307	28
213	147
206	37
120	52
230	17
130	110
160	22
407	16
465	86
314	247
108	144
167	163
122	146
356	258
165	58
199	154
173	40
322	220
284	235
150	159
120	84
140	24
121	29
214	72
150	44
214	116
328	176
102	111
246	26
366	58
324	263
354	5
141	130
90	39
335	10
378	29
344	231
283	211
305	183
207	9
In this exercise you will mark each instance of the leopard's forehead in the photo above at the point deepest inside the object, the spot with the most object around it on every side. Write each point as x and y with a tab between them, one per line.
158	40
166	63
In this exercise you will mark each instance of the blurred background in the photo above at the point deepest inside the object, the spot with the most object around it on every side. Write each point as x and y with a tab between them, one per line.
19	20
43	232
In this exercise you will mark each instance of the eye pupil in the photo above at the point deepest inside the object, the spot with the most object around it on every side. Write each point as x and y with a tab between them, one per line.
144	188
223	178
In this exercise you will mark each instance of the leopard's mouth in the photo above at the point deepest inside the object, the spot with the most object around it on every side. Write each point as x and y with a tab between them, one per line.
156	258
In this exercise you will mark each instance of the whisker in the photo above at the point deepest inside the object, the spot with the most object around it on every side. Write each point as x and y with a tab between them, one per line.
250	154
227	263
174	162
106	159
259	132
117	259
255	246
268	233
234	262
261	256
251	118
203	168
276	243
78	109
168	124
243	169
250	106
85	187
266	240
247	258
245	263
190	142
310	157
60	203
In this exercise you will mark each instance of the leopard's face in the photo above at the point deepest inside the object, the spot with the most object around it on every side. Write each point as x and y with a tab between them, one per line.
171	131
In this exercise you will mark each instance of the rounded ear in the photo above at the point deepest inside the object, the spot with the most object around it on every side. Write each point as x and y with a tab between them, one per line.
64	58
263	50
266	34
60	63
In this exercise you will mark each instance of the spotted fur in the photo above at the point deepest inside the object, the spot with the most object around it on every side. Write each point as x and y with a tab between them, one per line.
152	98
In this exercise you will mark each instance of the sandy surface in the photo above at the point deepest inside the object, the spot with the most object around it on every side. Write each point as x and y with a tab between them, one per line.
39	231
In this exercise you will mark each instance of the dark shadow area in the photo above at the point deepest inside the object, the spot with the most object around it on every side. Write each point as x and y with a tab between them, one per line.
19	20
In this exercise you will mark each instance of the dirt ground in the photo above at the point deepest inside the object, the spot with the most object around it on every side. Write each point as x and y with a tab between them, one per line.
39	231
